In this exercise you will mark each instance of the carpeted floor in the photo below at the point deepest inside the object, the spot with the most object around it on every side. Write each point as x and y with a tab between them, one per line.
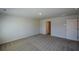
40	43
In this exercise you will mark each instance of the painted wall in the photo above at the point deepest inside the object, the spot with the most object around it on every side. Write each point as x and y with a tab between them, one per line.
60	27
43	25
57	24
14	27
1	29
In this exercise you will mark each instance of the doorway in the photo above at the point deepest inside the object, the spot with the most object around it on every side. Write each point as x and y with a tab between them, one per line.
48	27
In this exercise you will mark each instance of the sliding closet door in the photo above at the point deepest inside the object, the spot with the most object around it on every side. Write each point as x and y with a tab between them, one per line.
71	28
78	28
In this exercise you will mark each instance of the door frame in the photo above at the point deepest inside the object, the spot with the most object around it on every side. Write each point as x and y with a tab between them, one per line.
47	26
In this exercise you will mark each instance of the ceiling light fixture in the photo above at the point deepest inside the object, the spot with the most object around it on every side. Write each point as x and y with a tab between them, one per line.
40	13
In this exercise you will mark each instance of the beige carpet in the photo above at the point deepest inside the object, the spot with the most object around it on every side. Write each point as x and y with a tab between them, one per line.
40	43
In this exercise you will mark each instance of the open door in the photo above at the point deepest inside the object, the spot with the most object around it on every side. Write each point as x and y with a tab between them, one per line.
48	27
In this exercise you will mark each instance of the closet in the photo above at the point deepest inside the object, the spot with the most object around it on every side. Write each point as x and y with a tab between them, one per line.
78	24
71	27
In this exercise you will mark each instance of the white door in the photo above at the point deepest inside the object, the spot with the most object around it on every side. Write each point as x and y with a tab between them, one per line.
78	28
71	29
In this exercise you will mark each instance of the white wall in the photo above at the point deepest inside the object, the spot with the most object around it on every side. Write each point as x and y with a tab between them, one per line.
14	27
0	29
60	27
57	26
65	27
43	25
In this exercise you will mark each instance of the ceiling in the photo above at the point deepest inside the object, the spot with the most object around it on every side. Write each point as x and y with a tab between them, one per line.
37	12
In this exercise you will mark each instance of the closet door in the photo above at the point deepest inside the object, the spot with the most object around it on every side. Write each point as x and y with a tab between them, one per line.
78	28
71	28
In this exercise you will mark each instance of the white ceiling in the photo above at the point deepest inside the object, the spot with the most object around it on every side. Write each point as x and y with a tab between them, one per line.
34	12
